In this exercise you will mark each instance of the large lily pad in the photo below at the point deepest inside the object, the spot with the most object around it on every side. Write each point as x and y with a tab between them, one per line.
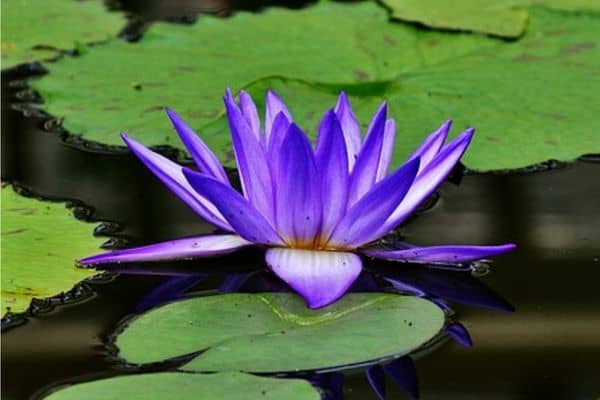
123	86
530	100
505	18
173	385
275	332
41	29
40	242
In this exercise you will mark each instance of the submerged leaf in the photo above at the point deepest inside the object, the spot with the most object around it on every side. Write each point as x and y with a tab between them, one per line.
40	242
275	332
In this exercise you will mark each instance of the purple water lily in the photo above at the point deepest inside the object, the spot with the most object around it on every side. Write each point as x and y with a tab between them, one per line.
314	209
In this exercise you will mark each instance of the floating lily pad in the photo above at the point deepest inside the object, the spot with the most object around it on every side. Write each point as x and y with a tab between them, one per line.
498	17
40	242
505	18
530	100
124	86
276	332
41	29
173	385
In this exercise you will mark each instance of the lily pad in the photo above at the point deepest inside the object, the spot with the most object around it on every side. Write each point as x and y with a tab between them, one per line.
41	29
124	86
173	385
498	17
275	332
40	242
530	100
504	18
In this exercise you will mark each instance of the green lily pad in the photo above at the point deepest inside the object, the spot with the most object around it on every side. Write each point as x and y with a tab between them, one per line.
498	17
124	86
276	332
504	18
41	29
530	100
179	386
40	242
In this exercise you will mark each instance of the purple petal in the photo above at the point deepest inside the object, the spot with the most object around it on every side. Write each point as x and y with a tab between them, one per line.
202	246
350	127
298	205
332	164
274	105
171	175
205	159
362	221
404	374
364	172
247	221
387	149
249	112
460	334
251	160
279	130
376	379
321	277
441	254
429	179
432	145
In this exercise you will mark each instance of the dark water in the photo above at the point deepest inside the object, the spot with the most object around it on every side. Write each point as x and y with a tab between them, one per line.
548	349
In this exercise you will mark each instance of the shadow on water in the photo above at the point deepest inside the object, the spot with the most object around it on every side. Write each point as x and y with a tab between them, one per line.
187	10
548	349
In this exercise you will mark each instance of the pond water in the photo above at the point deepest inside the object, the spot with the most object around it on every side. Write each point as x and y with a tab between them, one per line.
548	348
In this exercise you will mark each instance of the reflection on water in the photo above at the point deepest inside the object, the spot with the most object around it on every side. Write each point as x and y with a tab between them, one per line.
548	349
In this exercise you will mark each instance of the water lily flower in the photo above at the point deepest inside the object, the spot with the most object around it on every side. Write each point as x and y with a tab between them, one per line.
314	208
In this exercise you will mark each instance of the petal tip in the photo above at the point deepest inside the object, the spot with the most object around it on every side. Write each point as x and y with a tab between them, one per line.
320	277
128	140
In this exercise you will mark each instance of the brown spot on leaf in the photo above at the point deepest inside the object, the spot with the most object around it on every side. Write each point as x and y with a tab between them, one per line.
360	75
526	57
550	142
389	40
14	231
23	210
229	156
557	117
577	48
559	32
154	109
186	68
309	115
